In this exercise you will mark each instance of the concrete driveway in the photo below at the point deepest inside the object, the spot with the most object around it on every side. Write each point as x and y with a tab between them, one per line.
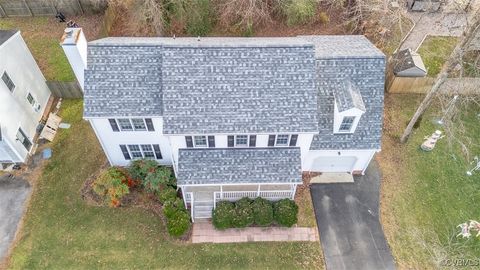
347	218
13	193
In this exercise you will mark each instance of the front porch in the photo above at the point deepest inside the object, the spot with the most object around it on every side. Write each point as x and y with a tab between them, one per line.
207	176
201	200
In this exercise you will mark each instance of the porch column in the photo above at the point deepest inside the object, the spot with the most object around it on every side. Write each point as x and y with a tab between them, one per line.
294	190
221	192
258	191
183	196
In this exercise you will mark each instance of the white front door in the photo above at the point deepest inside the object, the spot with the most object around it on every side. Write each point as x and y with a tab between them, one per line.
333	164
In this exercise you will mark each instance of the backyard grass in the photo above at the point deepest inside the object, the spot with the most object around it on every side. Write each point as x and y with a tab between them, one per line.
390	43
61	231
435	50
42	35
425	195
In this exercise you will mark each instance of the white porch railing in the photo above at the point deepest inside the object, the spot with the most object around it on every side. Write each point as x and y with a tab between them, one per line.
189	199
272	195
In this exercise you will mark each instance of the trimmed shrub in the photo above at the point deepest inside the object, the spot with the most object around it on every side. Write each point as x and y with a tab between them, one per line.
222	215
167	194
111	185
178	223
262	212
299	11
171	207
285	212
243	213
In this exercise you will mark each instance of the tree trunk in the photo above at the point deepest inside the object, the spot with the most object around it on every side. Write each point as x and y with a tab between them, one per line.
454	59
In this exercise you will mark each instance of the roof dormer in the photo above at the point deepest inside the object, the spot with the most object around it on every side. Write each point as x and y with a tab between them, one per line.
348	108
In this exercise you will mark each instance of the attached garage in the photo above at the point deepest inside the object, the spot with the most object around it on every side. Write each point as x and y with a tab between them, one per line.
351	161
333	164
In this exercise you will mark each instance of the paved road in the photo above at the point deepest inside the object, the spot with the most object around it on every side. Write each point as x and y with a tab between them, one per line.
347	218
13	193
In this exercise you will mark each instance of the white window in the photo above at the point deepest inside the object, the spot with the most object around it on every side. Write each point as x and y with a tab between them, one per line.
347	124
8	82
30	99
147	150
139	124
241	140
200	141
282	140
135	151
125	124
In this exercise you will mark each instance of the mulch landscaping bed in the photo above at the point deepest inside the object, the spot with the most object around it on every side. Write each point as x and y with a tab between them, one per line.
137	197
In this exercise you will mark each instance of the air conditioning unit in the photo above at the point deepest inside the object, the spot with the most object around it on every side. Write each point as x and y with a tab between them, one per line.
37	107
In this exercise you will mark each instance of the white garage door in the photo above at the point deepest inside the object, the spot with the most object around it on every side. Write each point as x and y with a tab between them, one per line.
333	164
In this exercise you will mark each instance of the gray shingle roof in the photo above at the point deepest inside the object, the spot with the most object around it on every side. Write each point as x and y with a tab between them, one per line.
346	46
6	35
235	165
406	59
123	81
347	96
238	85
244	90
368	74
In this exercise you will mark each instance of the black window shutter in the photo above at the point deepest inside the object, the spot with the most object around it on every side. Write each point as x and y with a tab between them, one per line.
126	155
114	125
149	123
211	141
231	141
253	141
188	140
271	140
293	140
158	153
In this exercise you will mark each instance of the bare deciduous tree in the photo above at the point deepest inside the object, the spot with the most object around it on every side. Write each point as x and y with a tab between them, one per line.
454	61
244	13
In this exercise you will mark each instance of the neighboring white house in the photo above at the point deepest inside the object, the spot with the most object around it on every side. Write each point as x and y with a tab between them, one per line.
234	116
24	95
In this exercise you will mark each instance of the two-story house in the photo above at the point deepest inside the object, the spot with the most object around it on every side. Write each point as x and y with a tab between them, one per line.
24	96
234	117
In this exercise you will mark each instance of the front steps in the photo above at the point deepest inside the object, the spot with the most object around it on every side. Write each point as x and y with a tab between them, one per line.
202	209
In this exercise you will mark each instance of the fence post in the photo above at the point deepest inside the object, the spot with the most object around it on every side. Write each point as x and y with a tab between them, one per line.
80	6
2	11
28	8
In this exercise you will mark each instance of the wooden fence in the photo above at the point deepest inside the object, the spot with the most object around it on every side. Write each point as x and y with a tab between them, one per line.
67	90
463	86
15	8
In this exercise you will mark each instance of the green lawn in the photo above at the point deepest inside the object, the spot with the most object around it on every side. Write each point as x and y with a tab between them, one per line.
427	194
435	50
62	232
42	36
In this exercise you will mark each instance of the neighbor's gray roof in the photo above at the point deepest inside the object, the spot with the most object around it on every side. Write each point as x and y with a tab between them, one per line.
406	59
239	165
347	96
6	35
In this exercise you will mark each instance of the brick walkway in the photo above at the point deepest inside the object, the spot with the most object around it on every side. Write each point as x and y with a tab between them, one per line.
204	232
